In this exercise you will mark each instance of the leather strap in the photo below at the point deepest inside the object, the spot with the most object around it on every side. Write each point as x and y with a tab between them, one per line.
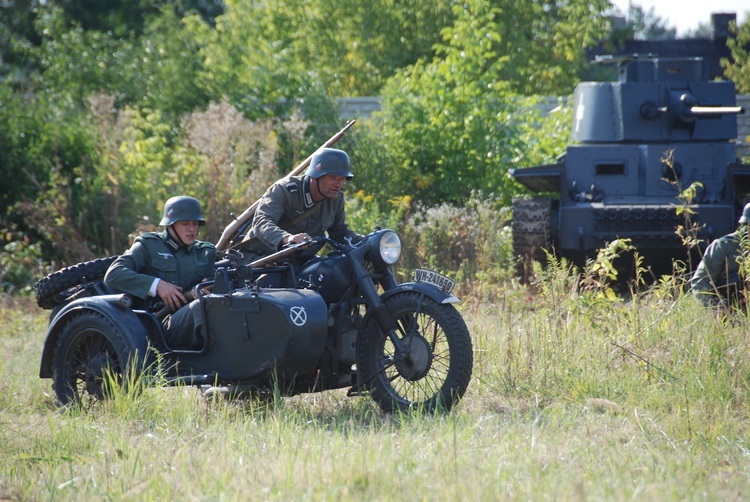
284	225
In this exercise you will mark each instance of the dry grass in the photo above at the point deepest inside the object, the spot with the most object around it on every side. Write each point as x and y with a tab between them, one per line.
574	397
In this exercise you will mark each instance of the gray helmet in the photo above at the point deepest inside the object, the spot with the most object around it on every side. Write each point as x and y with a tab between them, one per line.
182	208
745	218
330	161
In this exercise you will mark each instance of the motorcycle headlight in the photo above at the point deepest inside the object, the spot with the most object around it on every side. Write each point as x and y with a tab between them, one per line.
389	246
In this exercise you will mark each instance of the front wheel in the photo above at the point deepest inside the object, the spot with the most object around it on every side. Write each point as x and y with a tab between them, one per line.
437	369
90	360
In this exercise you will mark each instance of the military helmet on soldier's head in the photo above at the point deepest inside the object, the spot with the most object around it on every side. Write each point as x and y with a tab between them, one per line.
745	217
330	161
182	208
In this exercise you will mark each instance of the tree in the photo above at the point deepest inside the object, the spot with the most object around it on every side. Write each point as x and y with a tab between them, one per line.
456	124
703	30
738	69
273	49
645	25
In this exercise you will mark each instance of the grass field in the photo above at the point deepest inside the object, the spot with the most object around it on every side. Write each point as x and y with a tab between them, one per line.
574	397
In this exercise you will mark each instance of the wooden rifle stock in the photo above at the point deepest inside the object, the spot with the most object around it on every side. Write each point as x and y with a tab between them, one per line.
165	310
247	215
261	262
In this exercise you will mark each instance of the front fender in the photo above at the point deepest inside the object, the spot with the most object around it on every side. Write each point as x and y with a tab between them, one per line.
436	294
116	308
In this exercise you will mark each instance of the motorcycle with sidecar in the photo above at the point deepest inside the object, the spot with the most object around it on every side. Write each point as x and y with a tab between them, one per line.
338	320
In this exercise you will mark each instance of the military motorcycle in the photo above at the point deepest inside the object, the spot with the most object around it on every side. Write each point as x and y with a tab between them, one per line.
337	320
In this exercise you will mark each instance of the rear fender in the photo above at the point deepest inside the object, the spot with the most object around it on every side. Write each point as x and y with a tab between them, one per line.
116	308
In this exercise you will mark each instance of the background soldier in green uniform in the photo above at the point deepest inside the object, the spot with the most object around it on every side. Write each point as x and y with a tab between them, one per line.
717	276
297	208
168	264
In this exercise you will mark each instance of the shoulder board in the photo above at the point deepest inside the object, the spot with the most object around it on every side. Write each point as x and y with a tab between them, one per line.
292	187
149	235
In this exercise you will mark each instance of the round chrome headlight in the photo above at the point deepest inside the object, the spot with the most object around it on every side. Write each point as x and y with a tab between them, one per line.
390	247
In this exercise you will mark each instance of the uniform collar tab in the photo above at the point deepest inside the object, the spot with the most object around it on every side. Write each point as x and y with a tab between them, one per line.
307	193
172	243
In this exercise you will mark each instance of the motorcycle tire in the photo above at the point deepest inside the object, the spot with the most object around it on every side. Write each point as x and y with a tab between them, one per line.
56	287
90	361
438	371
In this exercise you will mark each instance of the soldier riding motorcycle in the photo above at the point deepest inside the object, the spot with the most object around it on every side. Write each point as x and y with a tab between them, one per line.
340	321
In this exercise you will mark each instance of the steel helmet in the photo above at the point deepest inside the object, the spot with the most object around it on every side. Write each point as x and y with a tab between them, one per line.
182	208
745	218
330	161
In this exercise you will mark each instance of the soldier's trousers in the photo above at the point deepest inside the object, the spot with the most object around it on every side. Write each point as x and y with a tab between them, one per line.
184	328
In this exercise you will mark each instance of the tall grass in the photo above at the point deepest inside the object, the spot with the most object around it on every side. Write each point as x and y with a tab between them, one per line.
576	395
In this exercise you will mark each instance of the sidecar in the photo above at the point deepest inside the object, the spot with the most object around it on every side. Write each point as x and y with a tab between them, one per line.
253	337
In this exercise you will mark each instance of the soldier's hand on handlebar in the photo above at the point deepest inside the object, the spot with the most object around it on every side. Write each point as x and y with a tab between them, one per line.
171	295
298	239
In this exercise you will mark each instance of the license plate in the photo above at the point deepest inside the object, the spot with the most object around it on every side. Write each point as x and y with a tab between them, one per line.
430	277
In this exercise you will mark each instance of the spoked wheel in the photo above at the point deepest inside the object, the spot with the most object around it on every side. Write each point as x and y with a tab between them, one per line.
437	368
90	360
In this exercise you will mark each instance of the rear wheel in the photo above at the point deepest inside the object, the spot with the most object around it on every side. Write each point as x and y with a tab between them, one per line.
90	360
437	371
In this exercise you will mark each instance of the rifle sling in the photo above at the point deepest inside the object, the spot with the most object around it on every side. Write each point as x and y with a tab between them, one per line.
283	225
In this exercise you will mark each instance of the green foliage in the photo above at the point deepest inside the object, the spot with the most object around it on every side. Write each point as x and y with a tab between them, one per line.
647	25
271	50
457	124
120	106
471	243
20	261
689	230
738	69
157	69
544	42
445	124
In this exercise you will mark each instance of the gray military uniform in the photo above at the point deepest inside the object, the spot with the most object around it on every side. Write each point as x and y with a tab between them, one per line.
158	255
285	201
718	269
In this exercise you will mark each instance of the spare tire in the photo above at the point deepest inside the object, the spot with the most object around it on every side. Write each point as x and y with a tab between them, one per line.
51	290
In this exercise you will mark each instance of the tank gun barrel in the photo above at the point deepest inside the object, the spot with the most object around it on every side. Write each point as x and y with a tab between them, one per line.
713	111
686	109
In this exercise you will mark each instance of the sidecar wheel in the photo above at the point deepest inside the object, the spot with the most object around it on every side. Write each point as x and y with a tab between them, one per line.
90	360
438	371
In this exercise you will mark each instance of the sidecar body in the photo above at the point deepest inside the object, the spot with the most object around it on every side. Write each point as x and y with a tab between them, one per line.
252	336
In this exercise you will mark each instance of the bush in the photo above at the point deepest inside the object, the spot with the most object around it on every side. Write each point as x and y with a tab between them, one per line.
471	243
20	262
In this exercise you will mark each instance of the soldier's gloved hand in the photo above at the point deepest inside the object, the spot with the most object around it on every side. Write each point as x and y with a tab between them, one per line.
171	295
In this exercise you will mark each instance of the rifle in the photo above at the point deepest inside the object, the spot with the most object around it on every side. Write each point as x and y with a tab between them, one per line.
286	251
246	217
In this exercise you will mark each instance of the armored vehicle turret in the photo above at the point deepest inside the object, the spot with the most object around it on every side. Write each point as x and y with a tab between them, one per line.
638	142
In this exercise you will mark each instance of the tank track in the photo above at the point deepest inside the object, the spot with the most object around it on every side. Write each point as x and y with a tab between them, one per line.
532	232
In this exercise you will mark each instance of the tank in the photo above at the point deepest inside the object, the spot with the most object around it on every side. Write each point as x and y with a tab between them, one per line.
636	144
